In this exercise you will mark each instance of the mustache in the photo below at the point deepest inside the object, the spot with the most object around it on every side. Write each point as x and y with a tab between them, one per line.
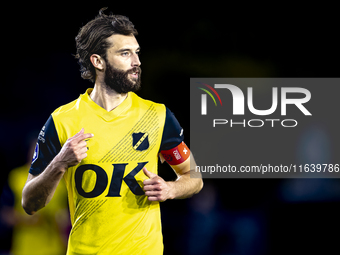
135	69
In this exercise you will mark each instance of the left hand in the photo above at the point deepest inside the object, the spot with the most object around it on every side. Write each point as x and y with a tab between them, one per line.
156	188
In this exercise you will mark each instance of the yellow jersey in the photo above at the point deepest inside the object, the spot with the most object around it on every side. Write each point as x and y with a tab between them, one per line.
109	211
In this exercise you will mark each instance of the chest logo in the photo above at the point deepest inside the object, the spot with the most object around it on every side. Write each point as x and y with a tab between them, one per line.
140	141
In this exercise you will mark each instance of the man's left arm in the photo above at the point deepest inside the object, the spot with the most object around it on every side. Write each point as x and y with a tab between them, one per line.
187	184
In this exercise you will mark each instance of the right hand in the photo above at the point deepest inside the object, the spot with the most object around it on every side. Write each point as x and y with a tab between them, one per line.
74	150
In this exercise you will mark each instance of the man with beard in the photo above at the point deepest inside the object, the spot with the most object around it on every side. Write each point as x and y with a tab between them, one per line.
111	169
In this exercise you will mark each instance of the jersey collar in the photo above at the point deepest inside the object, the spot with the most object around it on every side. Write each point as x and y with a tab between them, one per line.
111	115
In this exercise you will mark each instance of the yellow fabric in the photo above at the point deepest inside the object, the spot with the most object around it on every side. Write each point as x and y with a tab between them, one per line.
107	217
38	234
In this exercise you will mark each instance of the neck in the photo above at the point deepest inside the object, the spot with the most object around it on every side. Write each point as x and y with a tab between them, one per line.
106	98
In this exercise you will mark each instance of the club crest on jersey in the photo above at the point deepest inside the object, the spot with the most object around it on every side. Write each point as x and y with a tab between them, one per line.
36	153
140	141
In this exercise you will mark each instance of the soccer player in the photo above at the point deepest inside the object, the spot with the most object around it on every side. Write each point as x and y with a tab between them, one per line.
106	146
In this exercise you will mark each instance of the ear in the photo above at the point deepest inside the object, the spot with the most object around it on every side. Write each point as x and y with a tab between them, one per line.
97	61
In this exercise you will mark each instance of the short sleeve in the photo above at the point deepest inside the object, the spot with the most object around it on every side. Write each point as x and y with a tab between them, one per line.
172	132
47	147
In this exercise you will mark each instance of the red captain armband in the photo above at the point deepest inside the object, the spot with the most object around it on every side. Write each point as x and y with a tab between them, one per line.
177	155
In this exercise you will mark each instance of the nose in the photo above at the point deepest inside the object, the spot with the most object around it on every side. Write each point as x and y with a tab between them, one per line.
135	60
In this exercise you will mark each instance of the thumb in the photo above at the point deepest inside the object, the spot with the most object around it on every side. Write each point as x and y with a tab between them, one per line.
148	173
80	132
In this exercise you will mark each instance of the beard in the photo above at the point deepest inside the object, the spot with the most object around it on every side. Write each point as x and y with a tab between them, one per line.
119	81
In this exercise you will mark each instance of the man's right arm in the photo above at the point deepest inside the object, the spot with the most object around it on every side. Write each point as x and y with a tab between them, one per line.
39	189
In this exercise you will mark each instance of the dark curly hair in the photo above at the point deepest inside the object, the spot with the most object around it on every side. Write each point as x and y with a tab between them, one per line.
91	39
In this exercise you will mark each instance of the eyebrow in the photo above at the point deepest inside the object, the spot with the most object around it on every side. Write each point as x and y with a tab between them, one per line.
127	49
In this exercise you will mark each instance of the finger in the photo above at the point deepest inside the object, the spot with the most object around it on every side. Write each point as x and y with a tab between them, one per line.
82	137
148	173
153	198
82	150
82	144
152	188
79	133
80	147
153	181
82	156
152	193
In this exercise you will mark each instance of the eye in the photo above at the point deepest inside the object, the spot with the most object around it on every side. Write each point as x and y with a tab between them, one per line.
125	54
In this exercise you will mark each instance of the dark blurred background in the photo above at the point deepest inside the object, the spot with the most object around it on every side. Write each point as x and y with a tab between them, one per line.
179	41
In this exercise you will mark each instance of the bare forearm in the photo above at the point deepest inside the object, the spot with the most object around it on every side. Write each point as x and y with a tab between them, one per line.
186	185
39	190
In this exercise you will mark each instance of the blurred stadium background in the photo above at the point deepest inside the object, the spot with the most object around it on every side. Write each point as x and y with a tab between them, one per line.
239	216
